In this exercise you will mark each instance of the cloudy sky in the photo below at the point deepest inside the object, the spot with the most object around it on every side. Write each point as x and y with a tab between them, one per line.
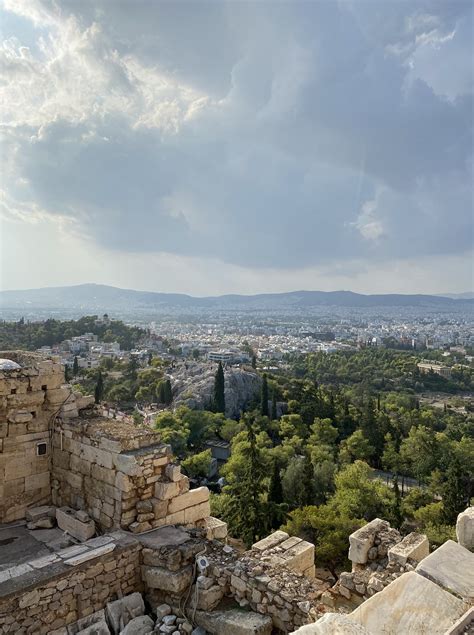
212	147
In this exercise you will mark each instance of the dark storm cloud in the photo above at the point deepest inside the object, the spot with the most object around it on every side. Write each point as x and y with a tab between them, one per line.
276	135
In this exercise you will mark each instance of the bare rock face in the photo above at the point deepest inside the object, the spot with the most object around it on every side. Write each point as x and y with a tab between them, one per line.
193	387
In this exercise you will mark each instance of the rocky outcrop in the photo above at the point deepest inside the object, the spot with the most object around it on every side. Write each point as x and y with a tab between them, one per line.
193	386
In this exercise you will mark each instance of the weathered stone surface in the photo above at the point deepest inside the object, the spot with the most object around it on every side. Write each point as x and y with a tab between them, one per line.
67	521
161	578
99	628
215	528
414	546
465	528
165	491
190	499
334	624
410	604
121	612
85	622
363	539
139	626
198	512
451	567
270	541
235	622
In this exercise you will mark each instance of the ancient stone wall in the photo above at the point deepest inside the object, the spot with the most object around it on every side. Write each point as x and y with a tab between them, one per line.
286	598
122	476
57	590
30	397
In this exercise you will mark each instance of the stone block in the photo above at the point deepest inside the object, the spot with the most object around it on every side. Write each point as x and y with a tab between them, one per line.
465	528
127	464
451	566
198	512
410	604
414	546
164	580
160	507
37	513
89	554
67	521
363	539
271	541
173	472
333	624
215	528
234	622
37	481
121	612
166	491
300	556
175	519
142	625
190	499
208	598
123	482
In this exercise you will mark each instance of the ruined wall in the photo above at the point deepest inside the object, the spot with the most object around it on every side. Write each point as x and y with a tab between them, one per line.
29	399
53	593
122	476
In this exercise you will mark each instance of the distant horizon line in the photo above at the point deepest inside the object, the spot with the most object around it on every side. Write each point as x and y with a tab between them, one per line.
220	295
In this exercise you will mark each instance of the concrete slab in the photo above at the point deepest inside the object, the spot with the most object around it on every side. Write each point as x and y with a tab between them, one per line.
451	566
18	545
410	604
164	537
333	624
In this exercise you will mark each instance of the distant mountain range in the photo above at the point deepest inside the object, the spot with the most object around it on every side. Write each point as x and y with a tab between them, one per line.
103	298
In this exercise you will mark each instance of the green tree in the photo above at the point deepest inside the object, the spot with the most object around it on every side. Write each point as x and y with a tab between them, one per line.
75	366
247	509
66	373
454	497
264	397
356	447
219	390
198	464
254	361
99	388
274	414
168	393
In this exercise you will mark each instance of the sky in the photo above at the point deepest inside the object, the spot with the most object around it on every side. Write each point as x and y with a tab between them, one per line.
213	147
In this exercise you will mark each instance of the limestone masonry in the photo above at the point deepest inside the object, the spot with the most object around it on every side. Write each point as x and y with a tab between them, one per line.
101	534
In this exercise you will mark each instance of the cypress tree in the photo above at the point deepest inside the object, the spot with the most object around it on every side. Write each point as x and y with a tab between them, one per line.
99	388
66	373
254	361
454	497
264	397
75	367
247	511
274	415
161	393
275	490
219	390
308	476
168	393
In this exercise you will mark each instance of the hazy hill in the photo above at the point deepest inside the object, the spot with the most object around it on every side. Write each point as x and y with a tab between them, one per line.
95	297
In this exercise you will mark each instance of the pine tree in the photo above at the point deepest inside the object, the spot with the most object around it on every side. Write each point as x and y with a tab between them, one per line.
219	390
247	510
75	367
274	414
454	496
99	388
264	397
